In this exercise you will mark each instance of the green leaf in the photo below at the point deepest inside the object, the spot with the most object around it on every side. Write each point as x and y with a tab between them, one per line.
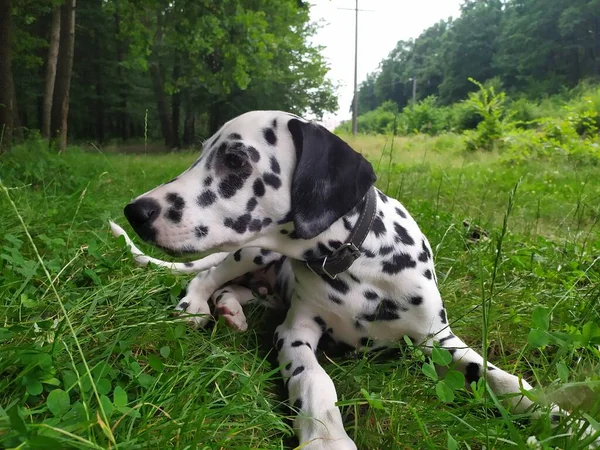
155	362
452	444
429	370
178	331
16	421
34	387
455	379
441	356
145	380
563	371
444	392
103	386
165	351
58	402
107	405
120	397
541	318
538	338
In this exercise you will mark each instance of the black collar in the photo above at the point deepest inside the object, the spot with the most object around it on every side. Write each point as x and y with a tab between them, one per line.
343	257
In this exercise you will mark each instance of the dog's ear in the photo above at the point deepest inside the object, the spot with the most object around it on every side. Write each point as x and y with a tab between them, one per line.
329	180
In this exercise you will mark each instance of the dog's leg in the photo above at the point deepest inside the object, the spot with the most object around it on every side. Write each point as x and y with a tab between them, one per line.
470	363
201	288
228	303
318	422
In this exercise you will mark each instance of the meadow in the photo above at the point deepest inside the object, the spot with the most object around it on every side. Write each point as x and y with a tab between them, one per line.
91	357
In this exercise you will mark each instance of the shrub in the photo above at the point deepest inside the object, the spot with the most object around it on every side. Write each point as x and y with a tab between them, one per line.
425	117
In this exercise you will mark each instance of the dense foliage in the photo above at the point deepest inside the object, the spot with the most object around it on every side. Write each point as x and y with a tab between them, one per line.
535	47
174	70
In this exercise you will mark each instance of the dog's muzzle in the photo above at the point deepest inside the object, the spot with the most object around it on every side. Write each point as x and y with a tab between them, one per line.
141	214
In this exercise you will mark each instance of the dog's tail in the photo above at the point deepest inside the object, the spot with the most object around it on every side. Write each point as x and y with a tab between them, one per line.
189	267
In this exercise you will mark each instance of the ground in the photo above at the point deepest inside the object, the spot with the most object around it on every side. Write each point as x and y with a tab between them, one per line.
530	290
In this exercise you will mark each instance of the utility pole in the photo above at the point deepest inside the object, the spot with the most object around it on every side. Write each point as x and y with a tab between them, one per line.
355	101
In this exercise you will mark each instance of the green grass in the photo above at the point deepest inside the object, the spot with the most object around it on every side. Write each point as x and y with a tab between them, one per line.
84	309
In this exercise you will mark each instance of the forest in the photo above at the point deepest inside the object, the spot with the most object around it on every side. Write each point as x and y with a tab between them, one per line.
98	70
534	48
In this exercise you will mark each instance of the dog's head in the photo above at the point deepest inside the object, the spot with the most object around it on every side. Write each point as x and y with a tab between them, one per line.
259	171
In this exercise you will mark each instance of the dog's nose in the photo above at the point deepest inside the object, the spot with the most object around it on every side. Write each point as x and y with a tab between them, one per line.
141	214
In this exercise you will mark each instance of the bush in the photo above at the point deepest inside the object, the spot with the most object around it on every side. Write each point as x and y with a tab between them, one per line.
425	117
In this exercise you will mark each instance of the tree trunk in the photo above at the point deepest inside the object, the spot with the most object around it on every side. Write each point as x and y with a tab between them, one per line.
99	102
176	106
6	81
51	73
189	123
161	102
64	70
123	121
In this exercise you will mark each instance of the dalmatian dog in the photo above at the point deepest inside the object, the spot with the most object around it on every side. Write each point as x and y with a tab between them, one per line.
279	198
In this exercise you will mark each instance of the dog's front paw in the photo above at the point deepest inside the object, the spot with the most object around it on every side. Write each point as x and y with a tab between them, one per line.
196	312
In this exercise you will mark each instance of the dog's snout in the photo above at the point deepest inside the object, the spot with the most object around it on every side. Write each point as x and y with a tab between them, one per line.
141	214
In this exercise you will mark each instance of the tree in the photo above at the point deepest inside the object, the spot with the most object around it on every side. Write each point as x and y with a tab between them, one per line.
51	71
64	70
7	96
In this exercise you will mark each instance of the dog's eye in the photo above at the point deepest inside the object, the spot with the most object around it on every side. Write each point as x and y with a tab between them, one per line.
234	160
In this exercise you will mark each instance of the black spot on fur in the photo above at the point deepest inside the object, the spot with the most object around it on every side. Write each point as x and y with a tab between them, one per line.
298	370
398	263
251	204
401	213
264	251
266	222
319	320
425	254
258	260
270	136
284	232
323	250
334	299
240	225
255	225
258	187
254	155
279	344
472	372
272	180
274	123
183	305
337	284
334	244
358	325
207	198
298	404
385	311
366	342
353	277
237	255
232	183
176	200
386	250
416	300
402	235
367	253
297	343
382	196
308	255
347	224
201	231
188	264
208	181
443	316
427	274
446	338
288	366
371	295
234	137
378	227
174	215
275	168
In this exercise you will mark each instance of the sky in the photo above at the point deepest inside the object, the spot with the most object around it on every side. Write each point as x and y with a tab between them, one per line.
379	29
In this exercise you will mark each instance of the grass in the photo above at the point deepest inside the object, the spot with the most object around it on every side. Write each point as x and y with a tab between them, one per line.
90	356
